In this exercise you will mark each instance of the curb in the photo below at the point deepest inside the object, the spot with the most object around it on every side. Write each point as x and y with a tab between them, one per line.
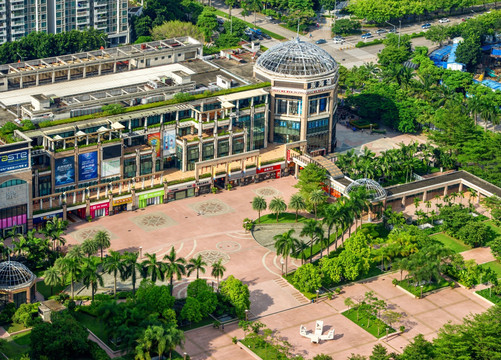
407	292
486	300
248	351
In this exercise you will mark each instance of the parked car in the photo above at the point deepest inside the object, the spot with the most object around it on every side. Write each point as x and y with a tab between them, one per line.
338	40
380	31
269	18
366	35
426	26
266	36
443	20
320	41
393	30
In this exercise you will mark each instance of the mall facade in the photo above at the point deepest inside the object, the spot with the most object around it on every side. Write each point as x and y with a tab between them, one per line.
148	154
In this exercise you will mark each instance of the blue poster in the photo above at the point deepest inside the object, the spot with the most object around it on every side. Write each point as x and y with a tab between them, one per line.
14	161
87	166
65	171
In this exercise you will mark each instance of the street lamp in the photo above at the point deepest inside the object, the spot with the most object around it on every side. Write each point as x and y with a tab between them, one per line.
246	315
318	291
387	330
185	355
140	252
282	263
421	292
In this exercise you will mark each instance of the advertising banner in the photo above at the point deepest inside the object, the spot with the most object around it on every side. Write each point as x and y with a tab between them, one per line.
154	141
14	161
169	143
87	166
65	171
110	167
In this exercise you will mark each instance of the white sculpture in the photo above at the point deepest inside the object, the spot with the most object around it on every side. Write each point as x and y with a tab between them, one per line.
318	334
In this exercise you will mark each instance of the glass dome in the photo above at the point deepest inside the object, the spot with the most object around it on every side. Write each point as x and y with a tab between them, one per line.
14	275
296	58
376	191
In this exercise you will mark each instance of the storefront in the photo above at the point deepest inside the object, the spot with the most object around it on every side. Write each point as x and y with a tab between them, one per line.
151	198
40	221
122	204
182	191
269	172
99	210
204	187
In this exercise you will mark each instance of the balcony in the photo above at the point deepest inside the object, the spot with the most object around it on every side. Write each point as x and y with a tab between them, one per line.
82	13
17	7
82	5
17	15
18	31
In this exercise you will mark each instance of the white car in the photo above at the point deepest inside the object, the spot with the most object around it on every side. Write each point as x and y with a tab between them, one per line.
444	20
338	41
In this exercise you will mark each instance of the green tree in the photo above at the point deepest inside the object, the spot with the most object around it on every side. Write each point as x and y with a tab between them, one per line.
51	278
174	267
176	28
317	197
475	233
113	265
346	27
277	206
333	219
259	204
307	278
91	277
314	231
379	352
152	268
285	245
218	270
438	34
297	203
196	264
469	52
207	22
311	178
130	268
418	349
89	247
71	267
238	295
192	310
102	238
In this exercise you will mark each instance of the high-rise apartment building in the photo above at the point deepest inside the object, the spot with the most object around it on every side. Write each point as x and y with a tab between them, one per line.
18	18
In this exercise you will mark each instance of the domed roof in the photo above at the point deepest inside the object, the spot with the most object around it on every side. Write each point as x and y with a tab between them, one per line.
296	58
376	191
14	275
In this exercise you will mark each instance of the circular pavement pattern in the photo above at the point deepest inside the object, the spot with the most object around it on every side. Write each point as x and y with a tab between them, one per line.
267	192
228	246
153	221
211	207
86	234
213	256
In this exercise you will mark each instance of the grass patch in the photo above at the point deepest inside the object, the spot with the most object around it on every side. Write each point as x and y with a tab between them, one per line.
203	322
376	327
485	293
494	266
282	218
272	34
496	229
416	290
23	339
14	327
263	349
45	290
455	245
95	325
17	345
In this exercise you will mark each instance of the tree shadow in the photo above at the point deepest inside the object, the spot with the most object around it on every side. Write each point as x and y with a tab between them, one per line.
263	301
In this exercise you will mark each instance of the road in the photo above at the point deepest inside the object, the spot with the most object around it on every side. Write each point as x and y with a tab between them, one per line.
346	54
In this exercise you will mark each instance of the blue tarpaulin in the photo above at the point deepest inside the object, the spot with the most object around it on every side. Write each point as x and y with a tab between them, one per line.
490	83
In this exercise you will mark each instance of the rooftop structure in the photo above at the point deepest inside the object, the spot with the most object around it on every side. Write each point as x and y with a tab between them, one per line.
14	275
374	190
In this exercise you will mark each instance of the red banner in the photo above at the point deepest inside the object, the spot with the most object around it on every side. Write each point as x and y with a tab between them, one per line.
269	168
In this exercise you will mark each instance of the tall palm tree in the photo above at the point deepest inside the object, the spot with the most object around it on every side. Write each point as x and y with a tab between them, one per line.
277	206
90	247
300	251
51	278
316	198
332	218
113	265
313	230
259	204
196	264
152	268
91	277
175	337
130	268
54	229
285	245
76	253
218	270
174	266
230	4
102	238
72	267
297	203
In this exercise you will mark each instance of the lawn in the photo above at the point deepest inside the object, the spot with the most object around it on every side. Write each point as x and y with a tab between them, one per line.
416	290
376	326
493	265
203	322
496	299
455	245
496	229
95	325
264	352
14	327
46	290
17	345
282	218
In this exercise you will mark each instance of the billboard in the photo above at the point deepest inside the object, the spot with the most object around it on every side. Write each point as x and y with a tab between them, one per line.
65	170
110	167
14	161
154	141
169	143
87	166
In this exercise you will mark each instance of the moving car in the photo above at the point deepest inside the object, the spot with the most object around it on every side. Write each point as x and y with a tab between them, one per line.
380	31
426	26
269	18
338	40
443	20
320	41
393	30
366	35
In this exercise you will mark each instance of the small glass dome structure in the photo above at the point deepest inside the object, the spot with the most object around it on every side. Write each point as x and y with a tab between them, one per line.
296	58
376	191
14	275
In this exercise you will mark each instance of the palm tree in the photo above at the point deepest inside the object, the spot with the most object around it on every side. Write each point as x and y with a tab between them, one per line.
72	267
297	203
259	204
316	198
54	229
218	271
130	268
277	206
91	277
51	278
285	245
76	253
473	194
332	218
113	265
300	251
416	203
152	267
175	338
90	247
314	231
174	267
102	238
196	264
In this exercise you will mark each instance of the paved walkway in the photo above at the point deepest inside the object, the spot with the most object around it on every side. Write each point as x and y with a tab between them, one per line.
481	255
3	333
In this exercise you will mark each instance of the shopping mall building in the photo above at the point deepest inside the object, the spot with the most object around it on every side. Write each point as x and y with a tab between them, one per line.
186	122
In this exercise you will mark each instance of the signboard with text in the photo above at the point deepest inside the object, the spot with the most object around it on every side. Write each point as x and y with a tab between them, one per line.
65	170
87	166
14	161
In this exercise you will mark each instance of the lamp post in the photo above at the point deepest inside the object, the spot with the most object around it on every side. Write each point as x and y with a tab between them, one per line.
318	291
387	330
421	292
140	252
282	263
246	315
185	355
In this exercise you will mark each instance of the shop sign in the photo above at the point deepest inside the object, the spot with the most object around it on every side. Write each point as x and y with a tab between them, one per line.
43	218
269	168
151	195
117	202
14	161
288	156
100	206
